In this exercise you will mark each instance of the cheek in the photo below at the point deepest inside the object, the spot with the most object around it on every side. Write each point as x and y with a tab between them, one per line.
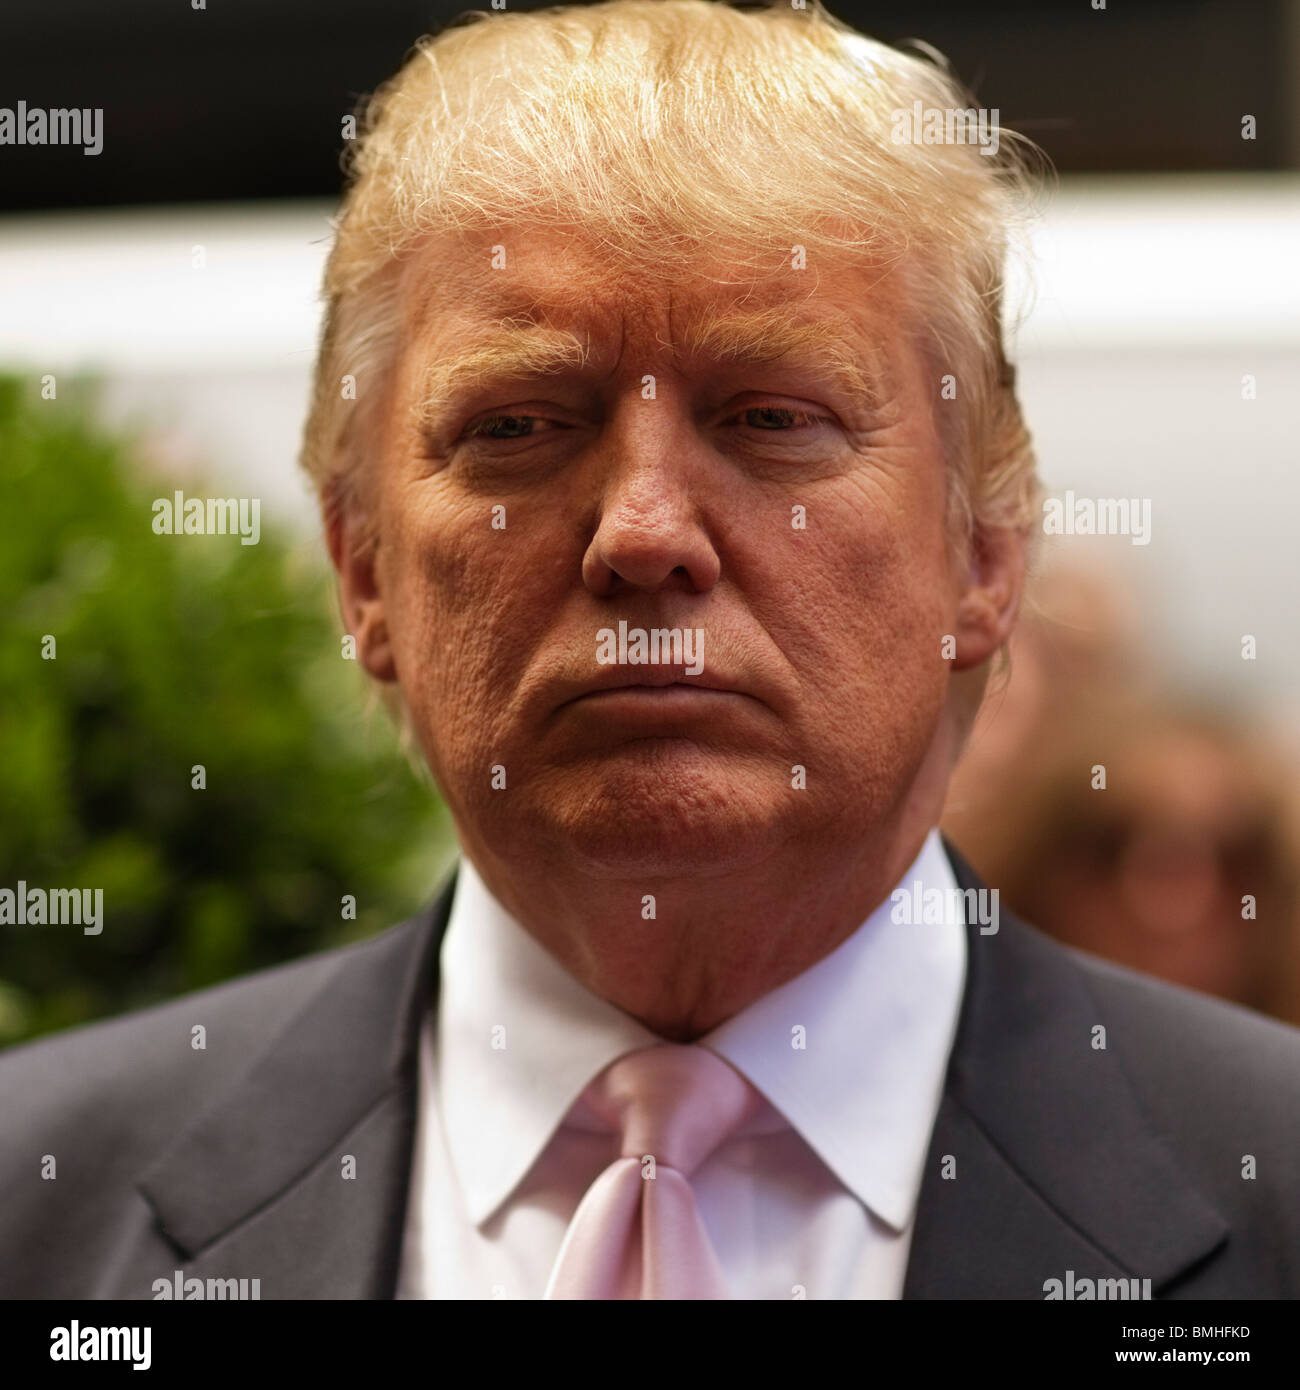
860	613
443	598
469	602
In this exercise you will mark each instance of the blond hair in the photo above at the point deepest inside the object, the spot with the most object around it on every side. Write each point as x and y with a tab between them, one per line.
665	128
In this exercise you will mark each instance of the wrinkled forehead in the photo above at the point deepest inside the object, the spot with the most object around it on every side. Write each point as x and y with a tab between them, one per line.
578	269
531	301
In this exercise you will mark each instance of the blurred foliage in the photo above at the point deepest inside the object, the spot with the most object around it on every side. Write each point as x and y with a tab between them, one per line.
174	651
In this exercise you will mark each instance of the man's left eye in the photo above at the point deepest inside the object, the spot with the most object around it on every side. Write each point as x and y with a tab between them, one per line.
775	417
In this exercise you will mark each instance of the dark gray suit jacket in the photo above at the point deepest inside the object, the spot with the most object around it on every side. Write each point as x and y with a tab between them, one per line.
228	1162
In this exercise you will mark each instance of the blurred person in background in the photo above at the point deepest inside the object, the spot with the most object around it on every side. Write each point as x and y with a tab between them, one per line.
1183	864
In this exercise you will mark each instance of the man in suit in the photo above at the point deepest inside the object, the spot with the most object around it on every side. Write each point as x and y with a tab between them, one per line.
680	499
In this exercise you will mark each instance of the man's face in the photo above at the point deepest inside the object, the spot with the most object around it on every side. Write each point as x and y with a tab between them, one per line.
793	526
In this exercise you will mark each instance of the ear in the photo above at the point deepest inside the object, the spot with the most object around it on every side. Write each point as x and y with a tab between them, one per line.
989	603
355	555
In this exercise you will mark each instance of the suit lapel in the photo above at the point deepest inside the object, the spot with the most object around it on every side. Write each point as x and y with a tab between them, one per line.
1053	1165
257	1185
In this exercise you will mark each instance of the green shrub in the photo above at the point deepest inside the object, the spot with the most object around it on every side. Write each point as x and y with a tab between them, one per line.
175	651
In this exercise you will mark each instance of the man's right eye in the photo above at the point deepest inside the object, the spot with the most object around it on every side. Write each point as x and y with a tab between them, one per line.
505	427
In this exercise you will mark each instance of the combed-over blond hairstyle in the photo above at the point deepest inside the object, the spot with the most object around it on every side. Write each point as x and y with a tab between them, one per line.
663	128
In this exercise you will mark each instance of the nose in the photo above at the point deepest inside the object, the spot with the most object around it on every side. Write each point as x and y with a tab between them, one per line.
651	533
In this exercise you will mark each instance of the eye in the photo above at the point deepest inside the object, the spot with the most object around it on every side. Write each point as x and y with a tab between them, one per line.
505	427
777	418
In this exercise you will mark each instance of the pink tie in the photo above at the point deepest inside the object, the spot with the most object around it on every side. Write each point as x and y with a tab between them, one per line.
637	1232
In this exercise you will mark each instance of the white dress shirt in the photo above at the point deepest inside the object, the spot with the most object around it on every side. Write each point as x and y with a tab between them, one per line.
813	1197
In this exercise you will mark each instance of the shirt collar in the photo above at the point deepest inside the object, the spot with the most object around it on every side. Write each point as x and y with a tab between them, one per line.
852	1052
518	1040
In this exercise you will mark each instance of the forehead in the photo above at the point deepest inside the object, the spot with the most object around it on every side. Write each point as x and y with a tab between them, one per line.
543	301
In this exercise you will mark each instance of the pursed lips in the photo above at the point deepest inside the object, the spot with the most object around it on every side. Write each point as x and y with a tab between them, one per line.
665	681
655	702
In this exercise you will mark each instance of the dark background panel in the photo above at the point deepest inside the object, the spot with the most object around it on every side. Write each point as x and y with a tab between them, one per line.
244	99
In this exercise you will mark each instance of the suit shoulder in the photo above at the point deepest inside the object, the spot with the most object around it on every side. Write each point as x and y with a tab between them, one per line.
89	1111
1219	1083
141	1069
1216	1086
1219	1048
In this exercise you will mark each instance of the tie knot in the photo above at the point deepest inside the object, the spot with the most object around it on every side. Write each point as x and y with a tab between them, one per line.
677	1103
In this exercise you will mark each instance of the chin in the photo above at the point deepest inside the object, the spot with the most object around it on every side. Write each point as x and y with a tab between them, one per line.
668	811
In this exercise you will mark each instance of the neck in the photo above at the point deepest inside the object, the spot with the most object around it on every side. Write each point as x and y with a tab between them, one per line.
683	954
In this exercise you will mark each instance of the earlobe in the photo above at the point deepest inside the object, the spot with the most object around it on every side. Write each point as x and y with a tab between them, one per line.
361	598
987	610
374	649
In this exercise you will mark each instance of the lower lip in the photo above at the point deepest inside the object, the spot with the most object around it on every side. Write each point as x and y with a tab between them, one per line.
646	705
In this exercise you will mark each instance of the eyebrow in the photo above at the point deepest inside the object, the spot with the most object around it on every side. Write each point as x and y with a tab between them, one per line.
524	346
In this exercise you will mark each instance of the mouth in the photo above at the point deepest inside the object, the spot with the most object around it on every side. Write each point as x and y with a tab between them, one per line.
663	711
655	695
661	702
665	686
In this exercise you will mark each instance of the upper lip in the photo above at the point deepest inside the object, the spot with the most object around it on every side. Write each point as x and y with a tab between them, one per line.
659	676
